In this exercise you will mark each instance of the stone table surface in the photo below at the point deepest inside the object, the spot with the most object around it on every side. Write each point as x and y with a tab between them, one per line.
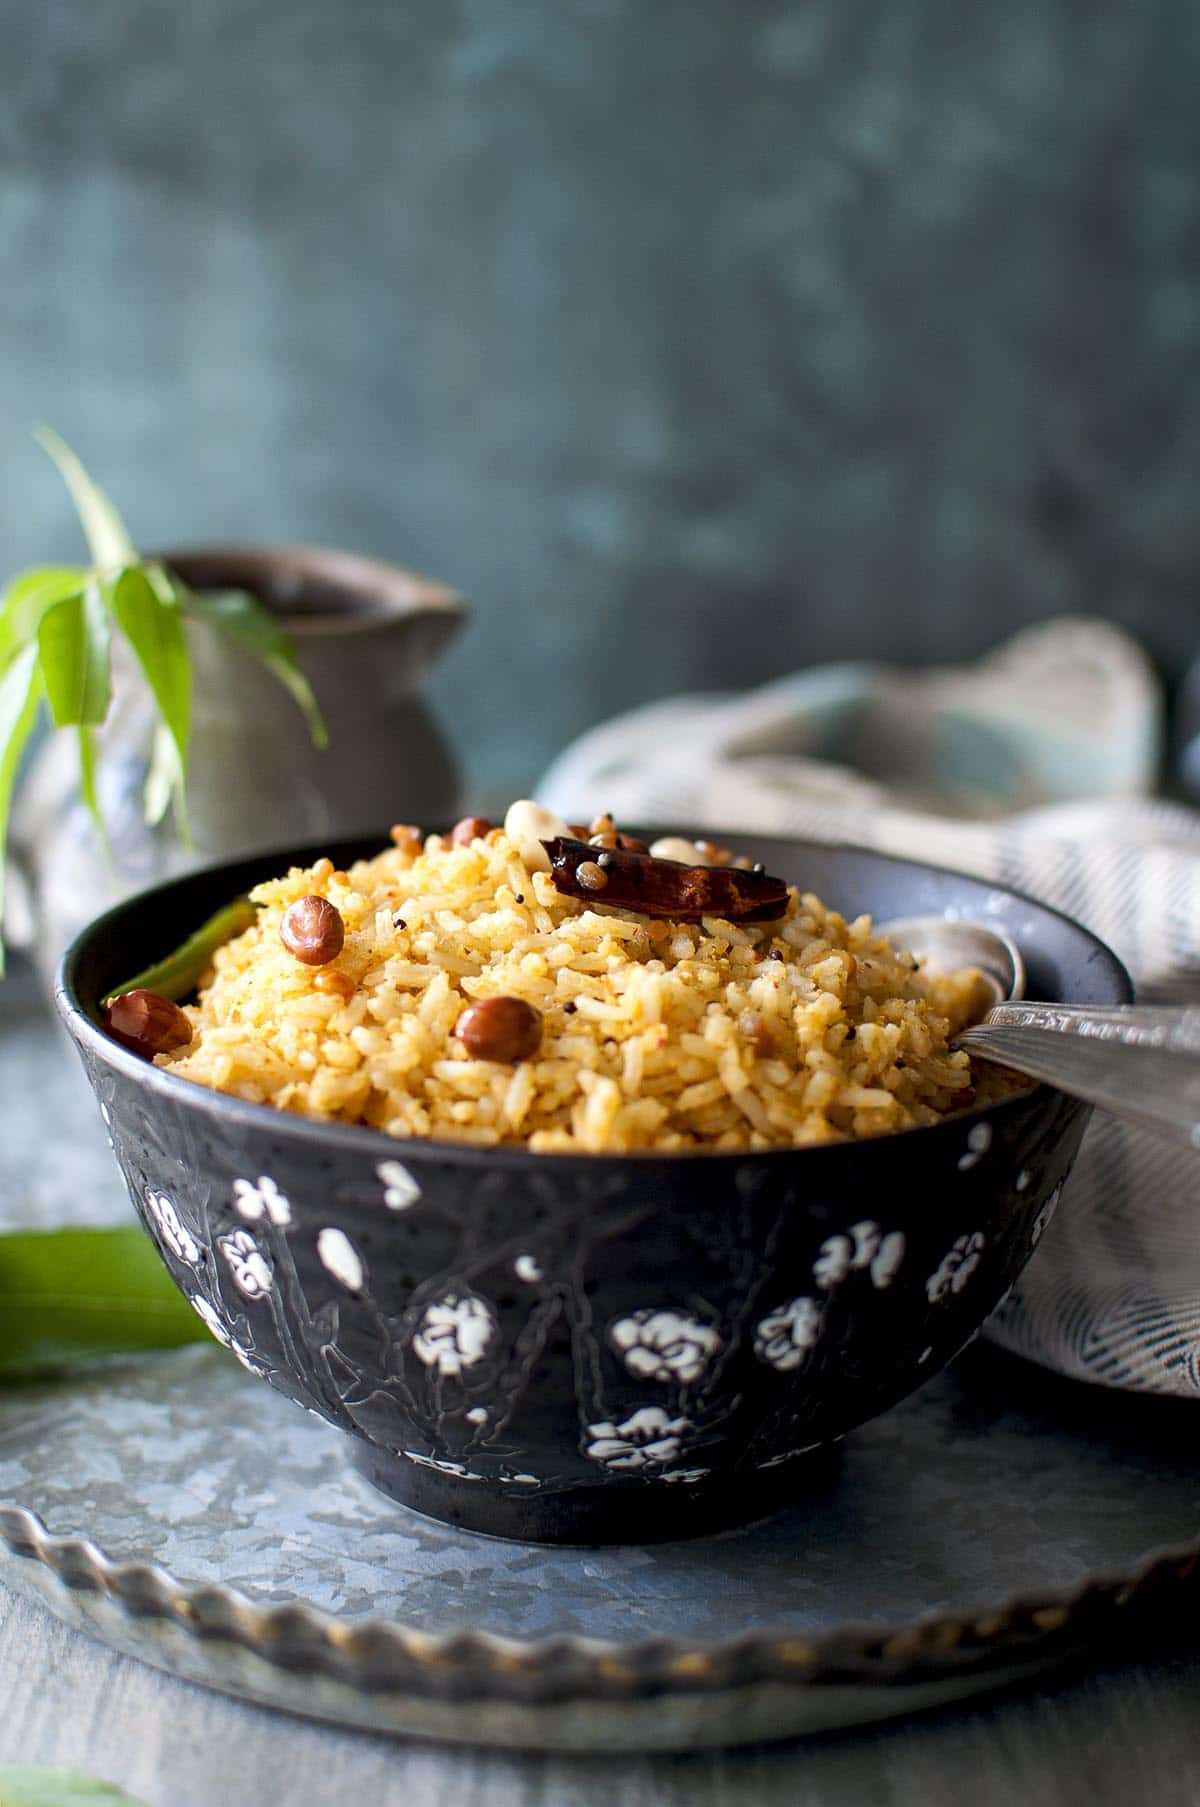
1122	1735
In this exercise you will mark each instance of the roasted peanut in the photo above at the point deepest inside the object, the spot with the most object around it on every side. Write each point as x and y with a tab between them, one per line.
612	839
335	984
471	828
147	1024
674	847
501	1029
755	1031
527	825
313	931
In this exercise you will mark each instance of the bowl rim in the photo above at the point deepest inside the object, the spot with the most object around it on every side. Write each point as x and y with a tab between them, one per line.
378	1146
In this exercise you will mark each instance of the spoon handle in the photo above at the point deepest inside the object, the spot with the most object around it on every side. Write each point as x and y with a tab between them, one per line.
1141	1063
1133	1025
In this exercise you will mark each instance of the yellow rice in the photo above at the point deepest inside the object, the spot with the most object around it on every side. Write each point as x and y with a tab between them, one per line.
684	1036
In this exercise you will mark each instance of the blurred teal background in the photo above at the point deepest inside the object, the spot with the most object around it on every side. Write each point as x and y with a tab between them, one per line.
693	342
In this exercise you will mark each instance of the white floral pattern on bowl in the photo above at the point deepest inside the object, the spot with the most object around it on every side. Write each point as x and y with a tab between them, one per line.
784	1337
454	1333
459	1470
262	1198
249	1266
339	1257
956	1266
664	1345
173	1231
400	1188
979	1140
204	1310
864	1246
647	1439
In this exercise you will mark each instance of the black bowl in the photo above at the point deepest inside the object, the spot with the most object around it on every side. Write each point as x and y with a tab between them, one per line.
587	1348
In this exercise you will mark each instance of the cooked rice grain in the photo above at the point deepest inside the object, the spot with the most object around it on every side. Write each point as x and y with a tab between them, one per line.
709	1036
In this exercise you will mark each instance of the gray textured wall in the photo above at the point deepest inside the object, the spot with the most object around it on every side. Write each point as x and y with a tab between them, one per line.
693	339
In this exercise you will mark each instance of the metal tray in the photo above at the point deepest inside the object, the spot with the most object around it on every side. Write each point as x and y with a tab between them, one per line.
997	1523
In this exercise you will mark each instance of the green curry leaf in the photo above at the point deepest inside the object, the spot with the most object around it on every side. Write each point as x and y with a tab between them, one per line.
177	975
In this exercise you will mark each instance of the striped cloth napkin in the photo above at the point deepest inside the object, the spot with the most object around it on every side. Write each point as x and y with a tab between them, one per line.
1031	769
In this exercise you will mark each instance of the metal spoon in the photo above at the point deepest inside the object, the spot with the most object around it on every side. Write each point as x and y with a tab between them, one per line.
1138	1061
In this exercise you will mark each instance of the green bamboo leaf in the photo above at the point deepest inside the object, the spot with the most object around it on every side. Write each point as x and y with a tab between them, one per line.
26	600
164	779
87	775
154	628
248	621
106	533
70	1296
73	646
24	1786
87	790
155	632
20	693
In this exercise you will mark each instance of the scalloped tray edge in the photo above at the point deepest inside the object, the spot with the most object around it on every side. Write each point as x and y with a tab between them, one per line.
567	1692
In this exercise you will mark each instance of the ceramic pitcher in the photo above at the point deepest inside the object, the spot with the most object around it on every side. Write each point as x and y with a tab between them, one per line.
365	634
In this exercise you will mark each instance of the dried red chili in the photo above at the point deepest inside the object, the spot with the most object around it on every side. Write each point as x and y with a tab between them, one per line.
654	887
